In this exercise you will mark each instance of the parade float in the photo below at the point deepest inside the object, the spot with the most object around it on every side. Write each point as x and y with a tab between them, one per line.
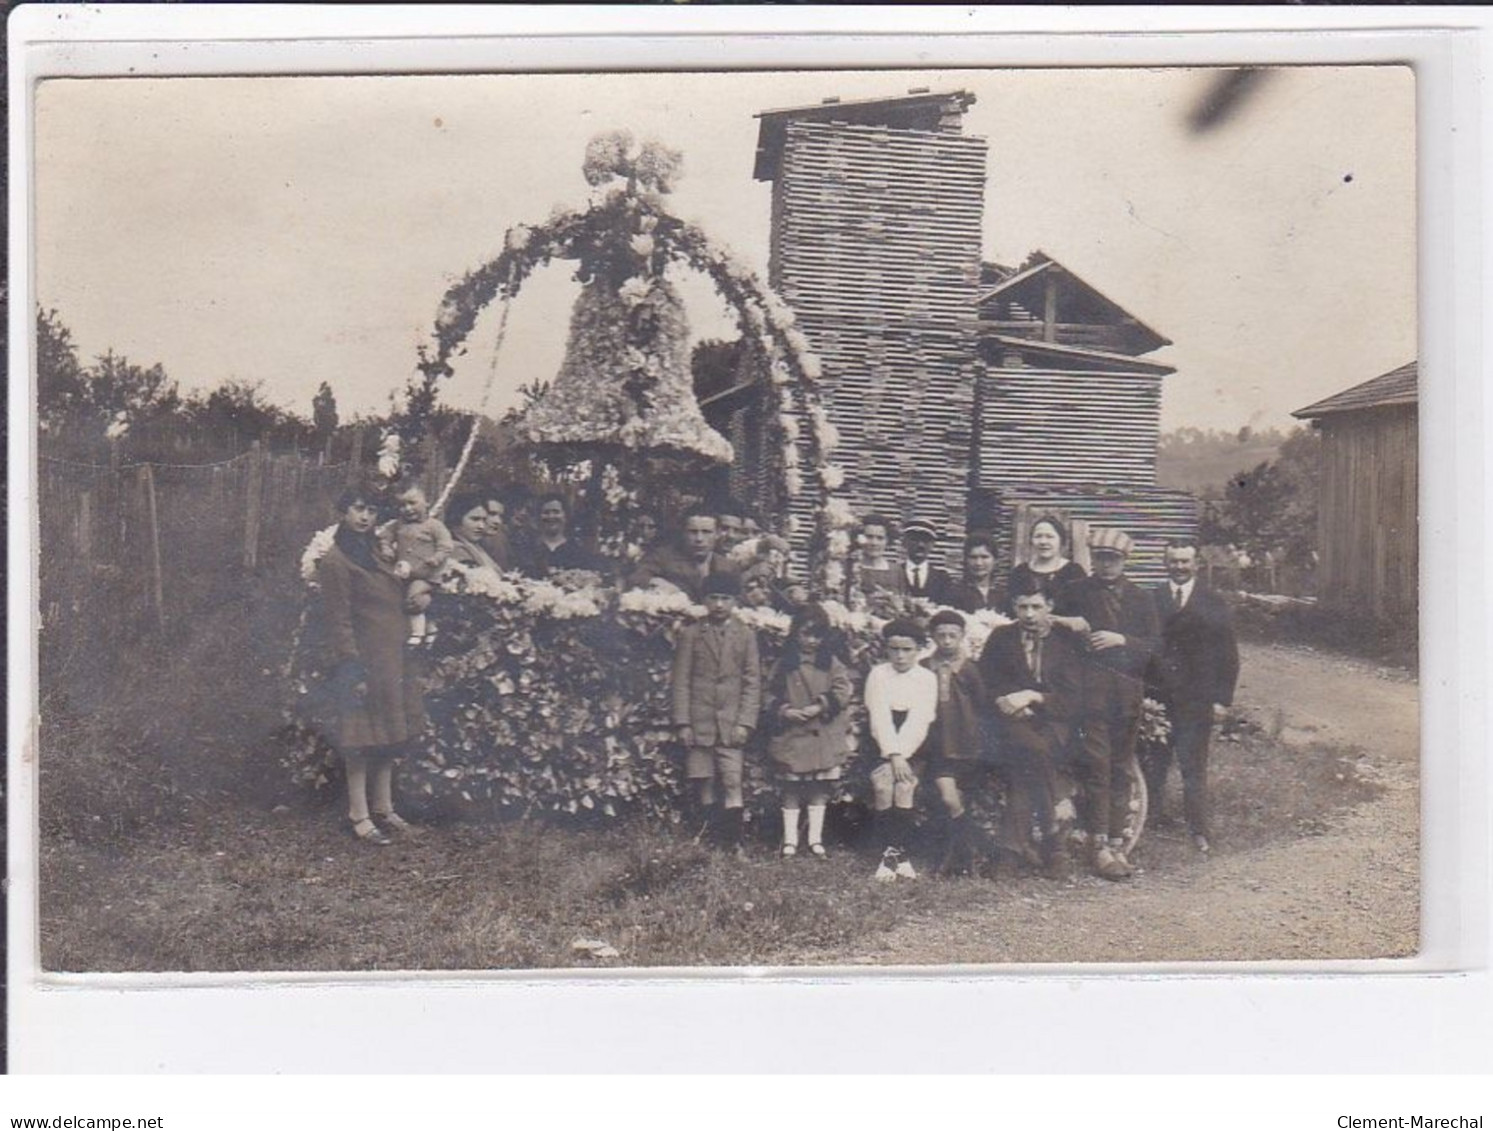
551	696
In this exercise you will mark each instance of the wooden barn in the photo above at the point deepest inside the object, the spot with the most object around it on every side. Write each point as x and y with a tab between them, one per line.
1368	517
971	395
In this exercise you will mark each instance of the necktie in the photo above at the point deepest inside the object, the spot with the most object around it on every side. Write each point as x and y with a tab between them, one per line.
1033	643
1177	595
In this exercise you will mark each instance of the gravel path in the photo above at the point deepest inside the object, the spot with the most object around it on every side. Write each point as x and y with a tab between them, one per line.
1346	889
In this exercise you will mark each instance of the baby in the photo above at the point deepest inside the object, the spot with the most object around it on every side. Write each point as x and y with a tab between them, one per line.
418	547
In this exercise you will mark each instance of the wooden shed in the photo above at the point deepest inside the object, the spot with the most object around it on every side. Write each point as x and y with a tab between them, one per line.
1368	515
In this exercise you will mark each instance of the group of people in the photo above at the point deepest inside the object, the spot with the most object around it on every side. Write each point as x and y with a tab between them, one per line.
1060	687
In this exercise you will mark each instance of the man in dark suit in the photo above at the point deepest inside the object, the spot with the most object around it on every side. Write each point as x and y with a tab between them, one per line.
1032	680
921	578
1117	624
1194	675
687	566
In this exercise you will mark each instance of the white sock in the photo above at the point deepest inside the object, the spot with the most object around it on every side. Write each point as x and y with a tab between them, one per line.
790	826
816	824
417	625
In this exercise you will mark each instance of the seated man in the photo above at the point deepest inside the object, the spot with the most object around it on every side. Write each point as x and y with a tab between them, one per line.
1032	678
686	566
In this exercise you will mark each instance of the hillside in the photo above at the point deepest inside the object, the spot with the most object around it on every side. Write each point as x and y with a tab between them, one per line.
1191	459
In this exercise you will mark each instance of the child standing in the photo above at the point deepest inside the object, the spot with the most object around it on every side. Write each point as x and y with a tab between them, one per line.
901	703
956	747
717	695
808	697
418	546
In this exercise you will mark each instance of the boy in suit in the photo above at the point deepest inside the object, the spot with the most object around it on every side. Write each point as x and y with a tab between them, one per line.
1194	675
717	688
1033	680
1116	622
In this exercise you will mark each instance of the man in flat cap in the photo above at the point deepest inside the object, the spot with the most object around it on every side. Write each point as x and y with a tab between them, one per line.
1119	631
921	578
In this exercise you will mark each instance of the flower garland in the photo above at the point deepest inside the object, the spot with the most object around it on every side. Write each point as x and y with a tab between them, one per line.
630	270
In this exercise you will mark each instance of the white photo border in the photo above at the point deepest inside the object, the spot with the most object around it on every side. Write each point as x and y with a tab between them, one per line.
1258	1015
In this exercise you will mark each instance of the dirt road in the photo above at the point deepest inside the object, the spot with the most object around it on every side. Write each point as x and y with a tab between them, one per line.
1343	887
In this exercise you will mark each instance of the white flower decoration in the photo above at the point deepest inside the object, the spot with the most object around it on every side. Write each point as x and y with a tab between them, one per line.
832	475
518	238
316	549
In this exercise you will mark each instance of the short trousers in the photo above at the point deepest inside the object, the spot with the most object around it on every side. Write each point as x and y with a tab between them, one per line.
887	790
703	763
831	774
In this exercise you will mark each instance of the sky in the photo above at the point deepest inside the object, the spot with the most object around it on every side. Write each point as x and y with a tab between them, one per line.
290	231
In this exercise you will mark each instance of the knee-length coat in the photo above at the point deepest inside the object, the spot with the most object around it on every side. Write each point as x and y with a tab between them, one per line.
364	626
819	744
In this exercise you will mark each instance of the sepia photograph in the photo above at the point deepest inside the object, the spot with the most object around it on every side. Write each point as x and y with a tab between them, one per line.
781	519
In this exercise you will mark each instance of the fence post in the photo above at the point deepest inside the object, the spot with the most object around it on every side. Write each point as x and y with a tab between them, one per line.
253	512
85	530
153	521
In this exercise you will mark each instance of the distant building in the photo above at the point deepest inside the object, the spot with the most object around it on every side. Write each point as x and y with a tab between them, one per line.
1368	529
965	393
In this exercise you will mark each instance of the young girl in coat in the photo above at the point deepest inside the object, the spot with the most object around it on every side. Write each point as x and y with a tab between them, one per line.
807	708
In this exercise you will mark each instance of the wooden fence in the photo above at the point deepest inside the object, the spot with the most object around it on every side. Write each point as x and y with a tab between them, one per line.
131	548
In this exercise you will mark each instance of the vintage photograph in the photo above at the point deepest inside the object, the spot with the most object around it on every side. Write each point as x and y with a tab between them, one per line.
502	522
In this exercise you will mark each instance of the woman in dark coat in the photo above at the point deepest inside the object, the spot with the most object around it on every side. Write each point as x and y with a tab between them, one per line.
978	589
375	687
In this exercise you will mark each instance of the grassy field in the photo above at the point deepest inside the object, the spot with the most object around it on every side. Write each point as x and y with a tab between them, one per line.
249	885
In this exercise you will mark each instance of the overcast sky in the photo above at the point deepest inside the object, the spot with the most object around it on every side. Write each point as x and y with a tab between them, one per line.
290	231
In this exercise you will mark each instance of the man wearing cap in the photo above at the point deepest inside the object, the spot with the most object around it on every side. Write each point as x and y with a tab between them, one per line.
922	579
1194	674
1119	631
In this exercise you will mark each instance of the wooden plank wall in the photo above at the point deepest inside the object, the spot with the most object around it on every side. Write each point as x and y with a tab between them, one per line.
876	246
1368	514
1061	427
1151	516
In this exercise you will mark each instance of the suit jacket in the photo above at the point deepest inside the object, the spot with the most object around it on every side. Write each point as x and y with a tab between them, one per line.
677	567
1135	619
937	587
1004	669
1198	661
717	680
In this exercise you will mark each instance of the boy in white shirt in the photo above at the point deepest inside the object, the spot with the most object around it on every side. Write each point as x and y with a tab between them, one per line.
901	703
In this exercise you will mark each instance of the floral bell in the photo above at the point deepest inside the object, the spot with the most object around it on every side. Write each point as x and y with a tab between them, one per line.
626	377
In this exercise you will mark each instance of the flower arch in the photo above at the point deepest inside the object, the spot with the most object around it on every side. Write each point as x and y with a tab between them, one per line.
628	238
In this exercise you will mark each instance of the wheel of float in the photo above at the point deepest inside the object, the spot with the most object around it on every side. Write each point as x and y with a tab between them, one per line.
1068	828
1137	807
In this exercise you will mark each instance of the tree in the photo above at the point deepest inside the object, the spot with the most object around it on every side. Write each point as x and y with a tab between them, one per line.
61	385
324	411
1272	508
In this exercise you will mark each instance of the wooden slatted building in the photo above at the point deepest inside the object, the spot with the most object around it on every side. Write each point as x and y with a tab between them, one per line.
1368	513
1069	415
877	210
968	394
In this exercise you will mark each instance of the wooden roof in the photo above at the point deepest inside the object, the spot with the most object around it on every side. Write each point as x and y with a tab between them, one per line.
916	110
1123	362
1397	387
1081	299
